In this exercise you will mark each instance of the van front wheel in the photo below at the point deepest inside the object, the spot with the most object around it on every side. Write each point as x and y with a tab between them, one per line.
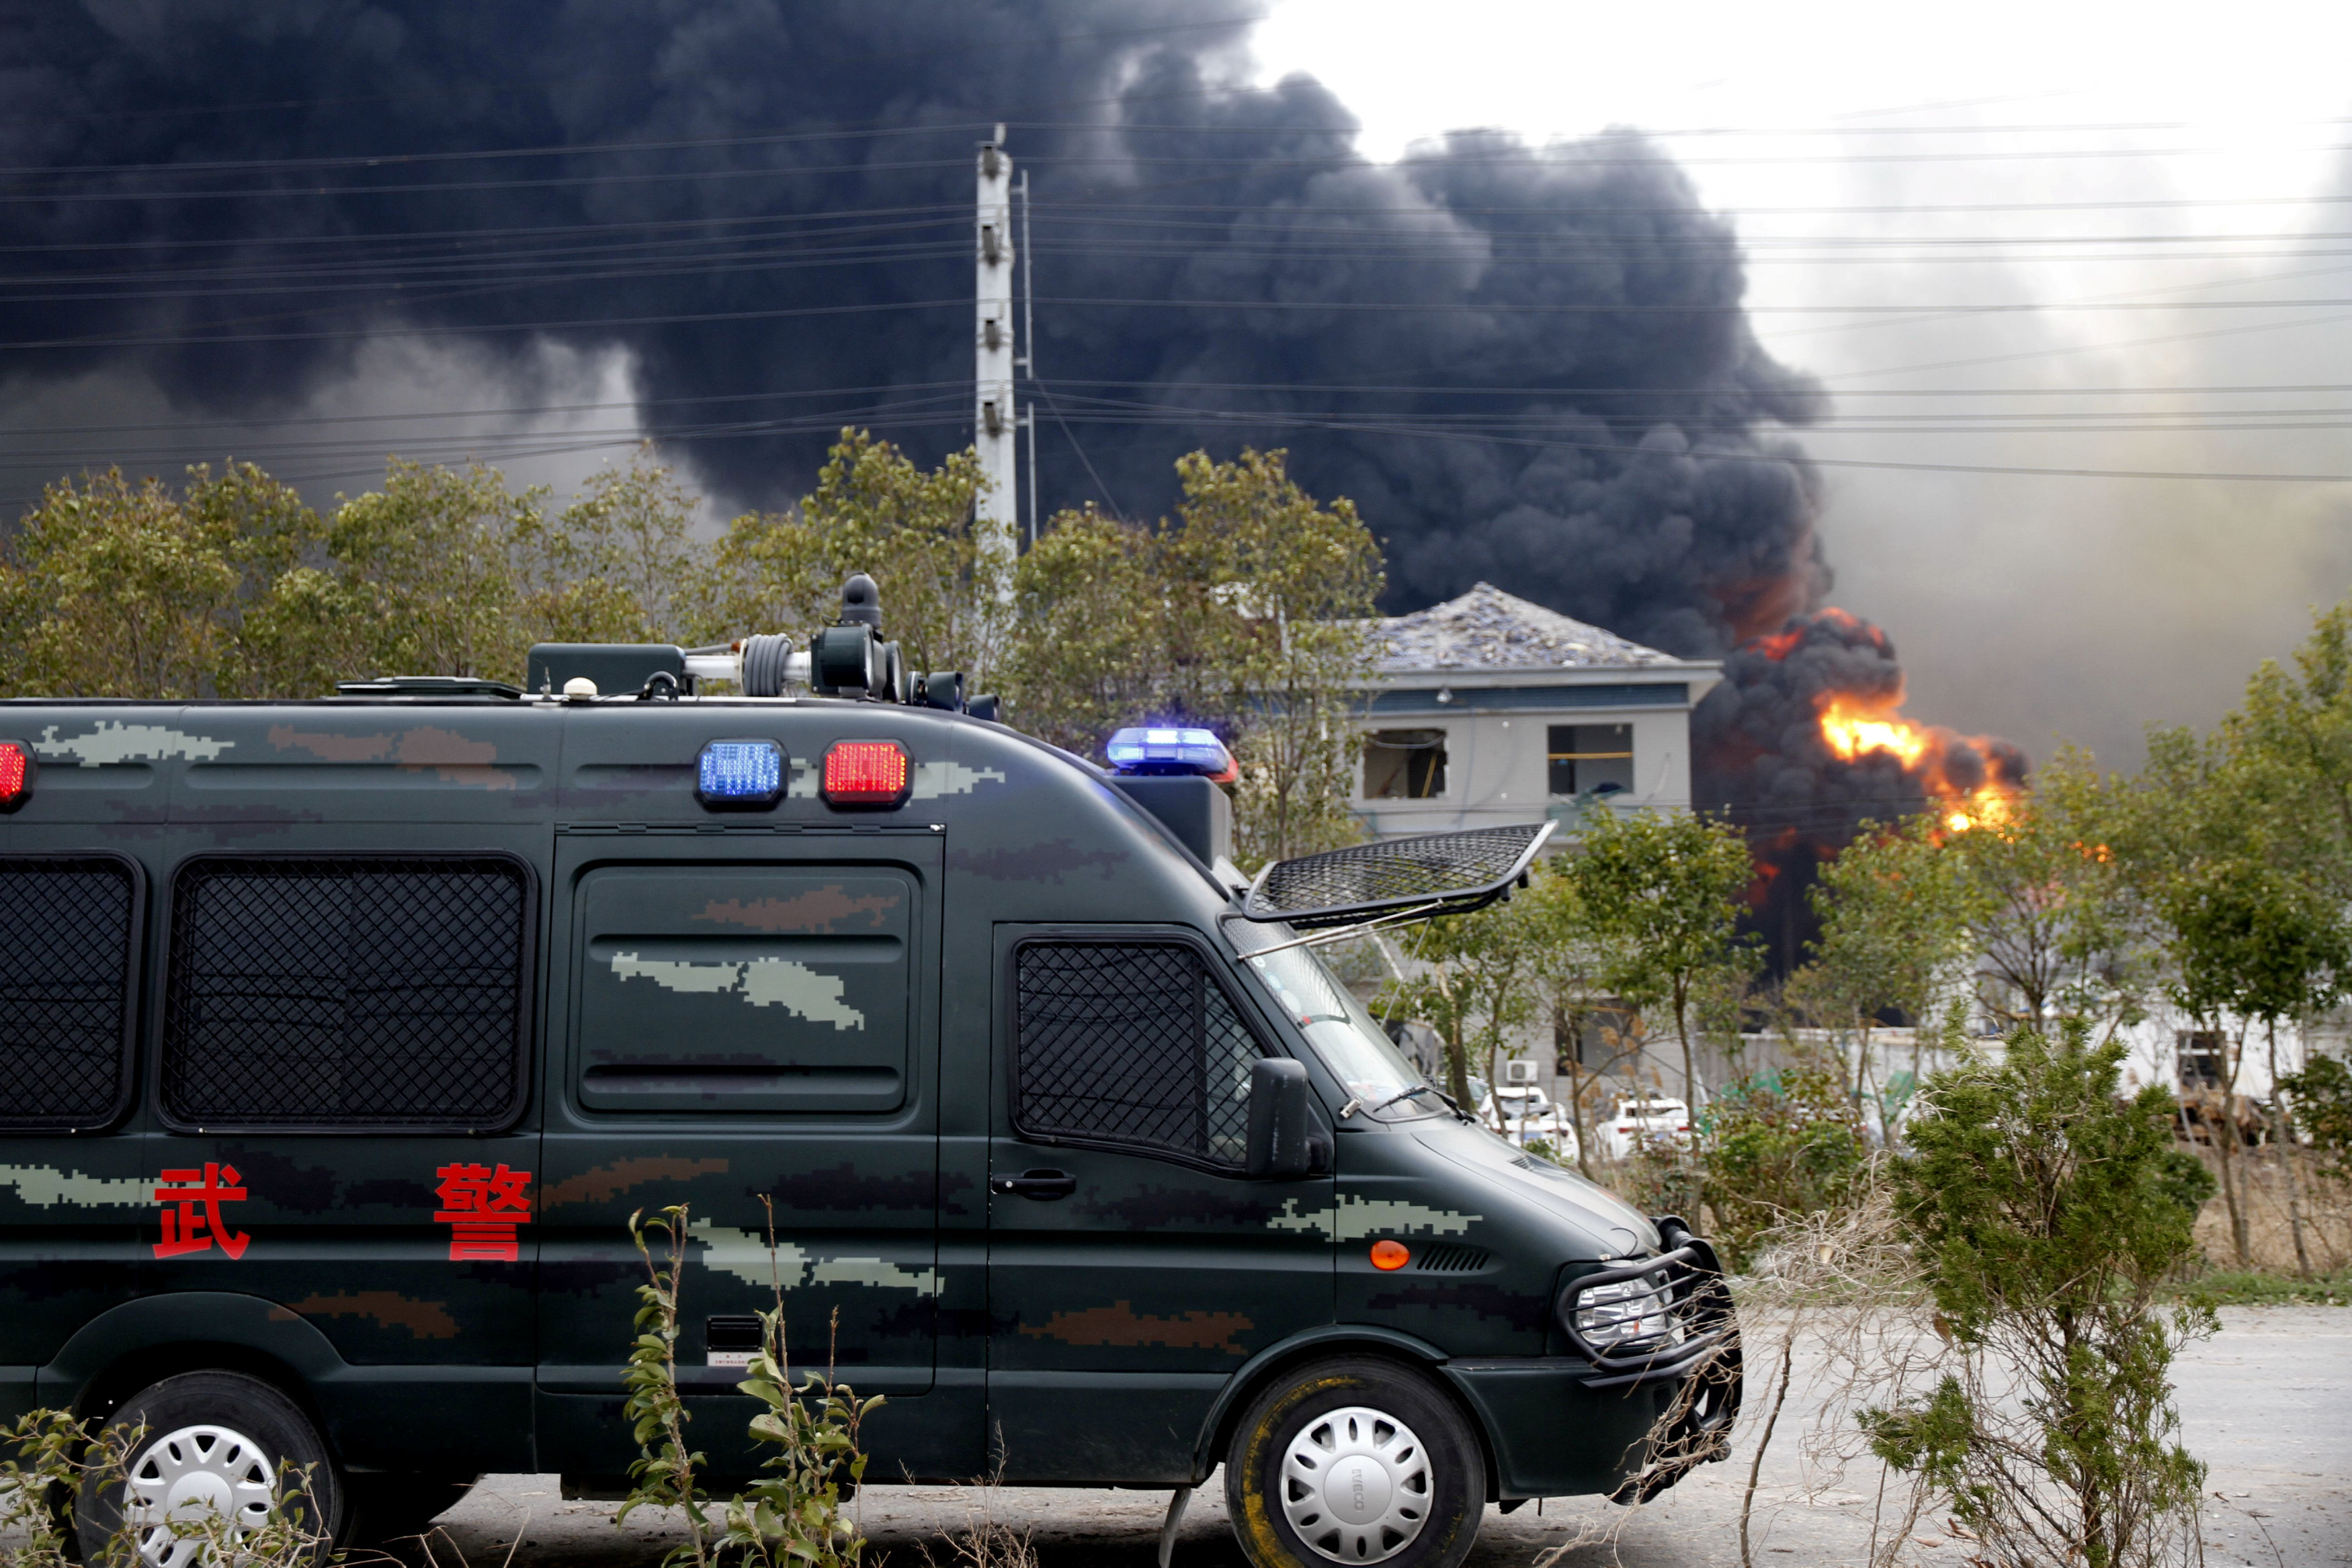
1357	1460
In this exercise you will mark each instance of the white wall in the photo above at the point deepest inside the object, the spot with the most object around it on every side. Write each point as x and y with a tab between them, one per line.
1495	766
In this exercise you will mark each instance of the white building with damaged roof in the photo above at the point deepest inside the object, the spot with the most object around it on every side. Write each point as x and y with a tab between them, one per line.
1489	709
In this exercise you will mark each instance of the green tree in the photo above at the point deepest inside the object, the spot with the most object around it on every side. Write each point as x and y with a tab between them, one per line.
1270	593
2321	1098
1567	965
1248	615
607	568
1893	925
2054	923
1780	1146
1088	614
2295	725
1660	893
2044	1211
420	581
2254	935
874	510
115	589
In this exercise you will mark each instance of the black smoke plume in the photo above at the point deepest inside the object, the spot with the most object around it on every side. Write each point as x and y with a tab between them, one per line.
1527	365
1767	763
1571	400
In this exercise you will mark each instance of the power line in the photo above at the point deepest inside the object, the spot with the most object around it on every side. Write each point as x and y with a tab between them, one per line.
1528	158
1715	454
589	324
1828	424
1334	307
1559	155
1692	209
378	237
855	131
551	271
458	187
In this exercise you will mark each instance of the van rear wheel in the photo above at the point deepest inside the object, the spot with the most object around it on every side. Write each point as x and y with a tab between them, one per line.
1354	1459
209	1443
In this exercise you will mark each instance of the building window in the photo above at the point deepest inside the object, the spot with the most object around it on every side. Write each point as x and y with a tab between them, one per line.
2197	1058
1404	764
1590	759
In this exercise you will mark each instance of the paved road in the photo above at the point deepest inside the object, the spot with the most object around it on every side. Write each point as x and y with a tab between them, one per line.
2267	1404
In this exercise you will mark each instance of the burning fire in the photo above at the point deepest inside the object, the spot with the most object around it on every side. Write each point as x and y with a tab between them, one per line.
1850	734
1851	731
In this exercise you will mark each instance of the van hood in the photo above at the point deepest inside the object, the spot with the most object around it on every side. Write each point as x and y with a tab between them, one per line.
1616	1228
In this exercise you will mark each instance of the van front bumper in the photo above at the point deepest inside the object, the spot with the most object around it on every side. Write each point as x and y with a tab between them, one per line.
1626	1423
1556	1435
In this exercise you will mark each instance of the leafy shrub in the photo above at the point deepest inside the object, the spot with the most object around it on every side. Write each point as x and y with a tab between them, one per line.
2320	1097
2047	1217
1777	1147
794	1514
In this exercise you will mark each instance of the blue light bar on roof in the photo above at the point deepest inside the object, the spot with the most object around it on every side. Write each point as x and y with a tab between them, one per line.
741	773
1170	750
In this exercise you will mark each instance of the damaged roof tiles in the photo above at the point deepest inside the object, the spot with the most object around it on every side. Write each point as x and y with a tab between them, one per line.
1488	629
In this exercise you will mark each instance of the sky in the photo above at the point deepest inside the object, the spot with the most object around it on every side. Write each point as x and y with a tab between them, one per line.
2163	167
2029	252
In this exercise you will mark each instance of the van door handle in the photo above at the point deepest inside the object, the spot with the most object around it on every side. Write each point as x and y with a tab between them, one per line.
1043	1184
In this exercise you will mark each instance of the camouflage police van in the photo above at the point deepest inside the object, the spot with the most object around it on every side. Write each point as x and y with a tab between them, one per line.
341	1038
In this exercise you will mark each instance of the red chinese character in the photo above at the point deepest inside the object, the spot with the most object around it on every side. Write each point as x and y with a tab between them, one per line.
184	1193
483	1207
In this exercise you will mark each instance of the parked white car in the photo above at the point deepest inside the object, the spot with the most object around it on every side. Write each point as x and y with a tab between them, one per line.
1524	1114
1634	1122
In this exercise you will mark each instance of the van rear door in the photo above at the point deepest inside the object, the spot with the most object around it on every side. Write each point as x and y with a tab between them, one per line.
744	1016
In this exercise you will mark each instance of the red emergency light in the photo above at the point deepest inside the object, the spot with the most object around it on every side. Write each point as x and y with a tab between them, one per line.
17	771
866	773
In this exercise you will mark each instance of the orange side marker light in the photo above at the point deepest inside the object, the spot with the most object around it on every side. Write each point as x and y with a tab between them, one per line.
1390	1255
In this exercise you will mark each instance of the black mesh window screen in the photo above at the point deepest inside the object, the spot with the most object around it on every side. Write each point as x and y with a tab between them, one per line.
1131	1043
363	991
66	929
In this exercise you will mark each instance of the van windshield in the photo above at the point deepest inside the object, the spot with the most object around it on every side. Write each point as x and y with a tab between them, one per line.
1348	1039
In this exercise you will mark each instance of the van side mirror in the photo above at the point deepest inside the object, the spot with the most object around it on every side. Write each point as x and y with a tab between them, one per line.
1278	1124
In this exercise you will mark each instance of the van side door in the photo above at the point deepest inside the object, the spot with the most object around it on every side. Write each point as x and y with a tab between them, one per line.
1131	1267
749	1027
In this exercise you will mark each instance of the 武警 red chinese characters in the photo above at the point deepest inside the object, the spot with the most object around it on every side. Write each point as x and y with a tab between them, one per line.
192	1203
483	1207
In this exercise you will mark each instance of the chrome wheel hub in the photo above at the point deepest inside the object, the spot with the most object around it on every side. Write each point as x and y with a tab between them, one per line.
1356	1485
182	1477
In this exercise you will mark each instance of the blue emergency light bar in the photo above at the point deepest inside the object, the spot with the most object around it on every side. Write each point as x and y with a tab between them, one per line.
1170	750
741	773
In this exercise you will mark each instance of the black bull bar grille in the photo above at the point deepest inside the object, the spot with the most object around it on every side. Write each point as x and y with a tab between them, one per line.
1699	1345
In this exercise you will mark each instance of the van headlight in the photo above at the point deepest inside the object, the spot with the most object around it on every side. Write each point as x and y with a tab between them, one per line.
1628	1311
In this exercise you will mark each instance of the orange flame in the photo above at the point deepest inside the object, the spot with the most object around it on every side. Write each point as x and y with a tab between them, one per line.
1851	733
1851	729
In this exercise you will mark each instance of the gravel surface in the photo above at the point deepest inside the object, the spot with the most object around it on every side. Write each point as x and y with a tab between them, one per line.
2267	1404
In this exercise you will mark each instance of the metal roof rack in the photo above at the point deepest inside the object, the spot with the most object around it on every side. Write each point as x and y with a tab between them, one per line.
1431	873
445	687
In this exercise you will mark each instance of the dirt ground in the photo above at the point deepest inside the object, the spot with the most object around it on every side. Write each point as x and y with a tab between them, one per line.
2267	1404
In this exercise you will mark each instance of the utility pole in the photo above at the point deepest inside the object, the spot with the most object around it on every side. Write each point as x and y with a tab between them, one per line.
994	419
1028	360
